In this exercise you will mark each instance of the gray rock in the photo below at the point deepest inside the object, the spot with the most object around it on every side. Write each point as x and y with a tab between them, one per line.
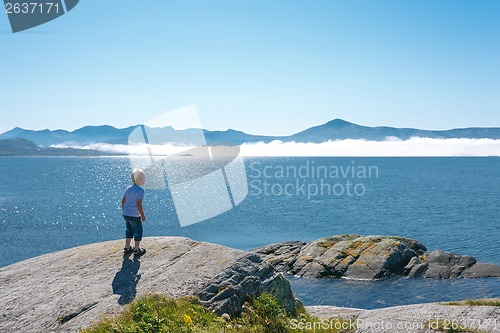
281	255
413	318
415	268
481	270
443	265
371	257
243	280
353	256
68	290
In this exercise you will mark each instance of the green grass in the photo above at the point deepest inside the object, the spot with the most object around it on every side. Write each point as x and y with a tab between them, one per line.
476	302
450	326
156	313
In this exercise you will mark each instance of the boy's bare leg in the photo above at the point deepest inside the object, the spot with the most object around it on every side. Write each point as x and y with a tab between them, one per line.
127	242
137	243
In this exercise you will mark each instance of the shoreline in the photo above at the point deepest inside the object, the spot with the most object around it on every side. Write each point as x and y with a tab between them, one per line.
89	281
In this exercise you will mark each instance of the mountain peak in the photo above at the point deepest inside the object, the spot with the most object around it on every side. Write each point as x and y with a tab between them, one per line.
15	130
338	123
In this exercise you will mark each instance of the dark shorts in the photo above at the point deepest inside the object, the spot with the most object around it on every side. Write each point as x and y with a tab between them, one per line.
134	227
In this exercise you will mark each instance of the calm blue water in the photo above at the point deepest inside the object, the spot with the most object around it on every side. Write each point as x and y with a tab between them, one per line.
380	294
49	204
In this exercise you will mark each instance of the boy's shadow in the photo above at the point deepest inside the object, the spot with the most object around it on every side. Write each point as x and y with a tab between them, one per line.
125	281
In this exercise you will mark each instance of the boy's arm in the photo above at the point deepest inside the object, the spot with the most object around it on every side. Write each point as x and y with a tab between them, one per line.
123	202
141	211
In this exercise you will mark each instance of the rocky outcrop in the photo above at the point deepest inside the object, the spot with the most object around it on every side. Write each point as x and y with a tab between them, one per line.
444	265
68	290
480	270
281	255
352	256
246	278
370	257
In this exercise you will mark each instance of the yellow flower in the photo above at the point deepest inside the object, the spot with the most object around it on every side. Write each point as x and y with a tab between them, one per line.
187	320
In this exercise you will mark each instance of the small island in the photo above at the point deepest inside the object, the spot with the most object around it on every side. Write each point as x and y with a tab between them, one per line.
371	258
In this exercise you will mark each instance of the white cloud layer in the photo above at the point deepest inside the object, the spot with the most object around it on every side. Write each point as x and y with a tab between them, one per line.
389	147
139	150
349	147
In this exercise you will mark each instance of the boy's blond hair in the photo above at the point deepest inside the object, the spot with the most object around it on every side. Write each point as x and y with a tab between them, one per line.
138	177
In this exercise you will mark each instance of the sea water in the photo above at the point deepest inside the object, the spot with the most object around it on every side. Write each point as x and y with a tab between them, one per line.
53	203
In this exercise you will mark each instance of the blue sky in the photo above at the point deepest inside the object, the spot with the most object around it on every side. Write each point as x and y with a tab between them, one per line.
264	67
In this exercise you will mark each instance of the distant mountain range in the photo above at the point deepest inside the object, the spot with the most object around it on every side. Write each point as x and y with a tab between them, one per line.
333	130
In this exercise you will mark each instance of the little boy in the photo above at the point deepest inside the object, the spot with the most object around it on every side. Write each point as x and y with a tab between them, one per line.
133	212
